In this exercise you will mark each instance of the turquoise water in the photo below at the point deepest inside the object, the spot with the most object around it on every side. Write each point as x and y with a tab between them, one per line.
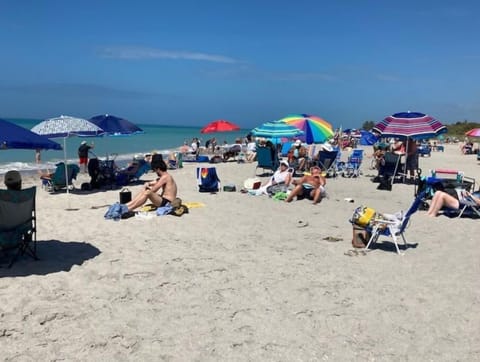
156	138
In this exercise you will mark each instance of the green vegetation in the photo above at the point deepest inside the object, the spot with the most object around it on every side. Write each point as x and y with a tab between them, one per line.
458	129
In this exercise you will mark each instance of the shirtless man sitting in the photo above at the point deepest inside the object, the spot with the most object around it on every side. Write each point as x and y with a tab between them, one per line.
310	186
165	182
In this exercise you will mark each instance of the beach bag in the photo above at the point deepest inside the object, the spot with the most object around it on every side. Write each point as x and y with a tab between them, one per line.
363	216
229	188
125	196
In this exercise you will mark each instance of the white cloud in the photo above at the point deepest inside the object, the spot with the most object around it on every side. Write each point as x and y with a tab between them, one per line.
139	53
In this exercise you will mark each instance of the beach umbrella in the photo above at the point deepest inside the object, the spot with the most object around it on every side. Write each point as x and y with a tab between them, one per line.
219	125
64	127
13	136
406	125
276	131
316	129
410	124
475	132
115	126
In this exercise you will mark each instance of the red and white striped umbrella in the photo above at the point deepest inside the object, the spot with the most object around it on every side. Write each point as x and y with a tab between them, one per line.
410	124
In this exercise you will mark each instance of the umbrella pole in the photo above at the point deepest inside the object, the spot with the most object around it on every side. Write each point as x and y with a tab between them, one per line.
69	208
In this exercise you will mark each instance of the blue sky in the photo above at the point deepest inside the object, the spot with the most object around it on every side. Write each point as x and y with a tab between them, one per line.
248	61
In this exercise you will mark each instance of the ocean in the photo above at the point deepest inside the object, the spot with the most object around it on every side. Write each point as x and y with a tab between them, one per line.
161	139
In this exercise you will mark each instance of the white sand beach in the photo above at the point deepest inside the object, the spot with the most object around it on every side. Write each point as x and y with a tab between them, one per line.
239	280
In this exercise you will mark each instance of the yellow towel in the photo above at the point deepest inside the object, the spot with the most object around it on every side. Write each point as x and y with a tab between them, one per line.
193	205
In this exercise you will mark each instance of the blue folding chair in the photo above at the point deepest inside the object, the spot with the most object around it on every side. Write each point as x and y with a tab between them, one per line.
393	225
207	179
352	167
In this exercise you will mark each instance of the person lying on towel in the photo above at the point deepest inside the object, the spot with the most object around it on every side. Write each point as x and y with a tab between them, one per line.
310	186
161	191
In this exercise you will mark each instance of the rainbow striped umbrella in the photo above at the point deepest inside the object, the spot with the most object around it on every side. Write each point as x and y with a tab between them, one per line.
410	124
315	129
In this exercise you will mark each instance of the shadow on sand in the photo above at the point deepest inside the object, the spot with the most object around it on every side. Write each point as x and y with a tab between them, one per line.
53	256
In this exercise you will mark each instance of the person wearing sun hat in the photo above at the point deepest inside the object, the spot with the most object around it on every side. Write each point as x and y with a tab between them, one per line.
297	155
279	182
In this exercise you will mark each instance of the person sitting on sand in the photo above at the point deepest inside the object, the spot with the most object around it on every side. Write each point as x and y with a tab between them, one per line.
280	180
442	199
151	189
310	186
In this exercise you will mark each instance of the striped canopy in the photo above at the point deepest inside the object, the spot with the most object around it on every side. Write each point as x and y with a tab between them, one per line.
276	130
410	124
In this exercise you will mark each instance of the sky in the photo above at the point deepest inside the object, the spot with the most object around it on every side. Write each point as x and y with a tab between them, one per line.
187	63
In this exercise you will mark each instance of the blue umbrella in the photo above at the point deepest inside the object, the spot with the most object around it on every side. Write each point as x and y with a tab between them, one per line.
13	136
115	126
276	130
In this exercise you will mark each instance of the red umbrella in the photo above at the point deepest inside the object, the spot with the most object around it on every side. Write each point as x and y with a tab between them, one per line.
220	125
473	132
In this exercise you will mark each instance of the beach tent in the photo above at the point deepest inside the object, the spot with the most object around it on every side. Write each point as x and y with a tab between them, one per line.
367	138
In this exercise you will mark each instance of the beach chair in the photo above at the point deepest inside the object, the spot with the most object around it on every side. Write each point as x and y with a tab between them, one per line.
393	225
391	170
267	159
18	222
56	181
326	161
468	206
285	148
352	167
207	179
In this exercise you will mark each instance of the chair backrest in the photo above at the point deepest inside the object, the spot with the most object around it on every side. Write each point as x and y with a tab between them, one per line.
285	148
357	153
143	168
17	208
267	158
326	159
58	177
207	179
413	208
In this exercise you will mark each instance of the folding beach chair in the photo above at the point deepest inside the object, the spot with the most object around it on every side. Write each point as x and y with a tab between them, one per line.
18	222
57	181
393	225
327	162
352	167
468	206
267	159
207	179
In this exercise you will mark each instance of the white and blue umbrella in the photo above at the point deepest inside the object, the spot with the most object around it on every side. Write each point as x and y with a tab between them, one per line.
64	127
276	131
